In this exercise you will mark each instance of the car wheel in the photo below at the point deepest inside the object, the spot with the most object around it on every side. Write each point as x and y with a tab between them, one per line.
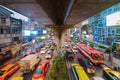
7	78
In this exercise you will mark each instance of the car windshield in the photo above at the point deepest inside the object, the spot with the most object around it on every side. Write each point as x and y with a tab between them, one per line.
49	52
98	56
39	71
1	72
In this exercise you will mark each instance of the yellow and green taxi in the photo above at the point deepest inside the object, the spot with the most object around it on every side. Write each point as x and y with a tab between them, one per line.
18	78
78	72
111	74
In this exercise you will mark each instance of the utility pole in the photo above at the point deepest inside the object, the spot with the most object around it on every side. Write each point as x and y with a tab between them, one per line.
11	30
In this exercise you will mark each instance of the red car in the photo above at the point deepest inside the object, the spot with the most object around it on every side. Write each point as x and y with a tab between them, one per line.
41	70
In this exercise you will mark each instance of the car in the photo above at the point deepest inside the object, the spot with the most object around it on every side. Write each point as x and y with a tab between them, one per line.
28	53
97	78
111	74
43	50
89	67
78	72
41	70
47	46
18	78
69	55
75	50
49	54
8	70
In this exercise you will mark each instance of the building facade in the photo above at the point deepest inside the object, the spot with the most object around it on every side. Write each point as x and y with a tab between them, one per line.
10	28
101	32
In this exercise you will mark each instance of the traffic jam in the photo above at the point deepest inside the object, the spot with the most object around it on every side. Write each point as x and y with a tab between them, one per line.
87	63
31	64
83	62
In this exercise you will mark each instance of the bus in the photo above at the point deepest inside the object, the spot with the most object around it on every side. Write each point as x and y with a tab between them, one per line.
78	72
96	57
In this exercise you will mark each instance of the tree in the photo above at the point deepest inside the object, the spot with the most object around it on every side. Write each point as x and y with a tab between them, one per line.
59	70
92	45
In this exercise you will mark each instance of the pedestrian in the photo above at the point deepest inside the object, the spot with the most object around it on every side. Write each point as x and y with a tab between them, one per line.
111	67
110	58
115	68
74	56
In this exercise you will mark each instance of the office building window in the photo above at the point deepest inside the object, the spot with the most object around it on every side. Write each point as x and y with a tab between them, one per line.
3	20
5	30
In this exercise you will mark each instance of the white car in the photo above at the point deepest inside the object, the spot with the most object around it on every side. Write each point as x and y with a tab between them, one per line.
43	50
48	55
97	78
74	50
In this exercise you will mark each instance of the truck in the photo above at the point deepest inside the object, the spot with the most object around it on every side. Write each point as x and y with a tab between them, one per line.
29	63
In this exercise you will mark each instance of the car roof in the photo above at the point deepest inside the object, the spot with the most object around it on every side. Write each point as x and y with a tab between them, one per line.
98	78
7	67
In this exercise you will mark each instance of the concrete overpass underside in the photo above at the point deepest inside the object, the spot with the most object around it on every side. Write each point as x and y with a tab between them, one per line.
58	13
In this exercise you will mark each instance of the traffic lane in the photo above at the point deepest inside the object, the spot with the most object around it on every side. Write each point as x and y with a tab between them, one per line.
99	69
29	75
17	73
70	75
25	76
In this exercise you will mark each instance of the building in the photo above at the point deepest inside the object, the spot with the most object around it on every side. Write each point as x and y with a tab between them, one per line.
5	36
10	28
16	30
101	32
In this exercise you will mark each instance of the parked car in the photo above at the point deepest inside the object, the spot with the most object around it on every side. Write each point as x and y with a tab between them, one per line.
41	70
49	54
8	70
43	50
97	78
18	78
111	74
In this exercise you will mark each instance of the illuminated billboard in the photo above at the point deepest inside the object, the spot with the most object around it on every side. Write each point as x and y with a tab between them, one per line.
26	32
113	19
34	32
44	31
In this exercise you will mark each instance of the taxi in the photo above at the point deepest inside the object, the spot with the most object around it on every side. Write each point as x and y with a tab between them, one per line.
18	78
111	74
8	70
41	70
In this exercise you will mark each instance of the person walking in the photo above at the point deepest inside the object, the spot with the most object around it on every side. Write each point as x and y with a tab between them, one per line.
110	58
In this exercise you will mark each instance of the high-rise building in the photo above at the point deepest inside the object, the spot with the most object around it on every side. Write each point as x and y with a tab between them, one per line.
101	32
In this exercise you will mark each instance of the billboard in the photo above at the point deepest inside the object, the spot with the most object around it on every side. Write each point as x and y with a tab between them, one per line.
113	19
26	33
44	31
34	32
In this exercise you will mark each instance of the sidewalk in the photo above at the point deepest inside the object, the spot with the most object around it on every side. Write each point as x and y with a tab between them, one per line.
116	58
116	62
